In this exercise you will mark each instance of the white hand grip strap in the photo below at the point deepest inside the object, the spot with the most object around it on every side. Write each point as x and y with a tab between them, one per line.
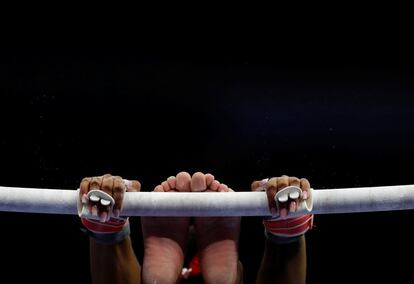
288	228
294	193
96	196
103	228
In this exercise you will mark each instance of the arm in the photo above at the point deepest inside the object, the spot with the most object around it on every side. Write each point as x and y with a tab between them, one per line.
283	263
115	263
284	258
112	257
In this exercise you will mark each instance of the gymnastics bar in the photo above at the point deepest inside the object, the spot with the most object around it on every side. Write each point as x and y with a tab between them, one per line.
325	201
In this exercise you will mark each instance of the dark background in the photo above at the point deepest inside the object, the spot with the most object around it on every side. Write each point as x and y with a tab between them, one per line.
340	119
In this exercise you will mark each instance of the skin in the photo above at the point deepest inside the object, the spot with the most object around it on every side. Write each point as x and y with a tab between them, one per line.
283	263
111	263
165	238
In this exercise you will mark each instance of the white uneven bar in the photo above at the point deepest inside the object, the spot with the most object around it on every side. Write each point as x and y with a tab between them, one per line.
327	201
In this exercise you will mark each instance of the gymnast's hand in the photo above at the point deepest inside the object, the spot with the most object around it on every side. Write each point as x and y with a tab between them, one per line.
282	224
101	198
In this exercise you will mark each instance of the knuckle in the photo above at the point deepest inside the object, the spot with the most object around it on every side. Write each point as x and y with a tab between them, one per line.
294	179
106	187
86	179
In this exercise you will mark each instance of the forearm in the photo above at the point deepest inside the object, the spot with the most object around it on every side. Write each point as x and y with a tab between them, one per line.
114	263
283	263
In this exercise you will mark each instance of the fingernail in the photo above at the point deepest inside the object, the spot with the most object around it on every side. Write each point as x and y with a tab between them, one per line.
85	211
117	212
283	212
292	207
305	195
94	211
103	216
264	181
128	183
85	199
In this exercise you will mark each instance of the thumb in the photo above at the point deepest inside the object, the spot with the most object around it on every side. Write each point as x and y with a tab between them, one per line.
132	185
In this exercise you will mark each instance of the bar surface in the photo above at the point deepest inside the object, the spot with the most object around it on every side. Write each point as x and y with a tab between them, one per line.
325	201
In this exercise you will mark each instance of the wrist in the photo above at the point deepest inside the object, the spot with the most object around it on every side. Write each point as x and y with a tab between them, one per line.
112	237
281	240
287	230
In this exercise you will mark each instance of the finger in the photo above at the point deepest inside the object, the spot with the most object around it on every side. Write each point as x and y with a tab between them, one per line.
255	185
294	181
119	189
292	206
282	182
259	185
100	206
107	184
271	192
103	216
84	187
94	205
120	179
103	210
183	182
95	183
94	210
135	186
101	203
305	186
131	185
198	182
84	199
283	212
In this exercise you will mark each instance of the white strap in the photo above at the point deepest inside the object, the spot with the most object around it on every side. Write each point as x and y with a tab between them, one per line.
95	196
294	193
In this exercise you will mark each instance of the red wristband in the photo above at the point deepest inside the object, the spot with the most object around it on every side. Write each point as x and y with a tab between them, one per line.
111	226
292	227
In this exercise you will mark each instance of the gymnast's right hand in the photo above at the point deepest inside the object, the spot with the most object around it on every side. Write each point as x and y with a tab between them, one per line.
101	199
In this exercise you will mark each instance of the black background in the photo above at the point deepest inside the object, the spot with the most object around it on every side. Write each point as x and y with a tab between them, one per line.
340	119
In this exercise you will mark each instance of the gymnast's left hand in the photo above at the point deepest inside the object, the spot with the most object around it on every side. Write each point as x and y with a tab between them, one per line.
103	207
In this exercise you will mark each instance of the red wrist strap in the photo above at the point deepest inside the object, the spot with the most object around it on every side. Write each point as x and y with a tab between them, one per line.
112	226
289	227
